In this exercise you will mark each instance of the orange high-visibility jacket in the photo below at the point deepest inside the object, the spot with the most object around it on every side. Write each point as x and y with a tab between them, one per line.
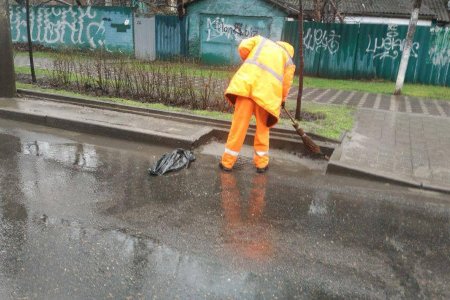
265	76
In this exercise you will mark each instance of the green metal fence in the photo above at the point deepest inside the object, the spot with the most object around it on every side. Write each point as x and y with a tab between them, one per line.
370	51
171	37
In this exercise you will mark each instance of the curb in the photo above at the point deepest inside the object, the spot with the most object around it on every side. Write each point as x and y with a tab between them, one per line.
281	138
343	170
109	130
336	168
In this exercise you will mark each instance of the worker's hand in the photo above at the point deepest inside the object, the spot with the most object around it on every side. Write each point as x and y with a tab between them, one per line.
283	104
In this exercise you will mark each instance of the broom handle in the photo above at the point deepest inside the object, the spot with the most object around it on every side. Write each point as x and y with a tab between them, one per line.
289	114
297	127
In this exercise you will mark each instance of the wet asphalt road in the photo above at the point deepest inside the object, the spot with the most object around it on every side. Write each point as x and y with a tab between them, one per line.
81	219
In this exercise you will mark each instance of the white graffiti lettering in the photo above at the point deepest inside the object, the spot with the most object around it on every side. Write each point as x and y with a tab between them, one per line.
439	52
390	46
316	39
217	28
59	25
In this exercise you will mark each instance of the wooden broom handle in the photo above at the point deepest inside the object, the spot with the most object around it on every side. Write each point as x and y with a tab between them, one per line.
290	116
297	127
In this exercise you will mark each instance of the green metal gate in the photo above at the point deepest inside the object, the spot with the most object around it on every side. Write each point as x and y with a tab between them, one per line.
171	37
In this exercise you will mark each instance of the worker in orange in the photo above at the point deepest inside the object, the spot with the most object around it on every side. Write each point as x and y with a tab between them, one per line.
259	88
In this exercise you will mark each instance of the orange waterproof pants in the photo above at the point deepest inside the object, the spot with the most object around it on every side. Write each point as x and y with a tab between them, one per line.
243	111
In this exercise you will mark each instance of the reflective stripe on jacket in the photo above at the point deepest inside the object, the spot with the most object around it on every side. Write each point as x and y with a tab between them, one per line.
265	76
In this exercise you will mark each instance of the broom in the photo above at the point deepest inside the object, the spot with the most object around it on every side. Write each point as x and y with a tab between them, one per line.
307	141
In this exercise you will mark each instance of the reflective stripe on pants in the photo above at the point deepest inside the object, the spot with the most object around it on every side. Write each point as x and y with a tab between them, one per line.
243	111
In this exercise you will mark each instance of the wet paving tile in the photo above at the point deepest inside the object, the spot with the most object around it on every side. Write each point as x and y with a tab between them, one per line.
432	109
385	102
340	99
313	95
354	101
325	96
415	105
445	107
401	106
370	101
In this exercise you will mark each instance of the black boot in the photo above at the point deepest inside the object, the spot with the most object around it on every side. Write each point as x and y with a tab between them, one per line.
225	169
262	170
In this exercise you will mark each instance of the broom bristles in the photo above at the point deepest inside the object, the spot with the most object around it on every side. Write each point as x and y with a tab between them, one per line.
309	143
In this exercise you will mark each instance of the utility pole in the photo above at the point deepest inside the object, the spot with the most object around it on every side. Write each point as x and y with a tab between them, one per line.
298	109
7	75
407	49
30	43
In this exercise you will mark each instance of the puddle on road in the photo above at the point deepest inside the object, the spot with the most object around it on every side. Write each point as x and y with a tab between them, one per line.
78	150
285	233
288	160
54	258
83	156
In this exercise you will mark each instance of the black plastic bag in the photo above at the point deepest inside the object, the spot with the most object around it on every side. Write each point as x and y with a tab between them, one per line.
172	161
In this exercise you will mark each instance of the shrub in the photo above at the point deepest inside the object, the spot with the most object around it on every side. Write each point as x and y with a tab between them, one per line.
164	82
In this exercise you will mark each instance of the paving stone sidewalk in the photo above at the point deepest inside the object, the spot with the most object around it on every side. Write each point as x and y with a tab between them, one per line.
375	101
395	138
409	148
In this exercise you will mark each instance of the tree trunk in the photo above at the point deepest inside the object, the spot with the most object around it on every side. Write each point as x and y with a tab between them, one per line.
30	43
7	75
180	9
298	109
407	49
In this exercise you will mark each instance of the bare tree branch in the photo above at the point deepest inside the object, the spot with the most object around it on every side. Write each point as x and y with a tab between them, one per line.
338	14
326	11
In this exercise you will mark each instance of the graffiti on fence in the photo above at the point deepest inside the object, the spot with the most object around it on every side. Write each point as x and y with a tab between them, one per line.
374	51
316	39
51	25
390	46
439	53
65	25
217	27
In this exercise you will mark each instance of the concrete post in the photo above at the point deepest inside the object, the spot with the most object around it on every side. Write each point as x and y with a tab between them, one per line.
407	50
7	75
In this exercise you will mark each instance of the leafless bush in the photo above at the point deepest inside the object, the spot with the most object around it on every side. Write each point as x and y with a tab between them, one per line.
61	73
163	82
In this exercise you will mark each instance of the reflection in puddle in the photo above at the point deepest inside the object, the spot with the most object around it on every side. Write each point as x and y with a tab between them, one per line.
80	155
320	203
121	263
245	231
